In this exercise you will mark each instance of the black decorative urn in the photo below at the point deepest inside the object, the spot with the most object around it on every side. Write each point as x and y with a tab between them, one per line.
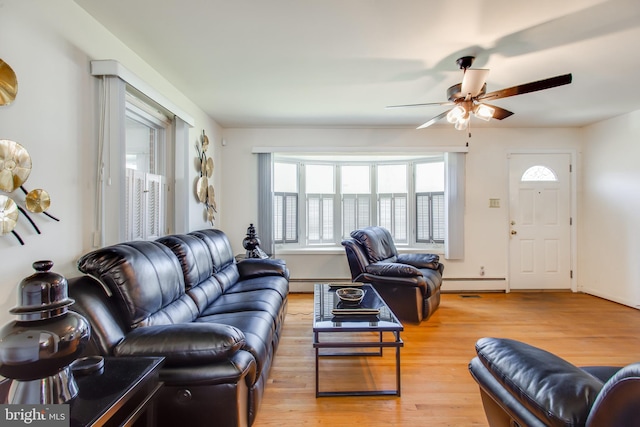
37	348
252	244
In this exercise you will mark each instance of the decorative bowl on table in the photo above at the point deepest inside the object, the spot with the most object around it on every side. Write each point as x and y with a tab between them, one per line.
350	295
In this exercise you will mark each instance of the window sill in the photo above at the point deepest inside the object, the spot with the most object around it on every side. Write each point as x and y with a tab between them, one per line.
321	250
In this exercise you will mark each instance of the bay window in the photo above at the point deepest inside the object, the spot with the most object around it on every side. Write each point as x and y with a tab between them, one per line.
404	194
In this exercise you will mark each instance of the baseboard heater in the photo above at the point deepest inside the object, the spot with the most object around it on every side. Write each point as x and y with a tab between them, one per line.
474	284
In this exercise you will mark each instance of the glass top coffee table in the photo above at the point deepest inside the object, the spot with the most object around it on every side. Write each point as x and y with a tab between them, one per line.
331	316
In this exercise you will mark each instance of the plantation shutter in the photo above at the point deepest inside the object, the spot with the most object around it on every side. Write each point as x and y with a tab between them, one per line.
153	208
144	199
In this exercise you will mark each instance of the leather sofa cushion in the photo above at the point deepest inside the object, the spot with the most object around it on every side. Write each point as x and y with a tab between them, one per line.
553	389
258	330
197	268
254	267
392	269
278	284
219	247
263	300
146	278
183	344
377	242
430	261
195	259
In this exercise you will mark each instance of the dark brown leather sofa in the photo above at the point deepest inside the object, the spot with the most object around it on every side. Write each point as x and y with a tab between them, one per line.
184	297
525	386
409	283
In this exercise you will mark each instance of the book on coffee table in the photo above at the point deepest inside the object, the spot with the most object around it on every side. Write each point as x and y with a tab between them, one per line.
367	307
355	311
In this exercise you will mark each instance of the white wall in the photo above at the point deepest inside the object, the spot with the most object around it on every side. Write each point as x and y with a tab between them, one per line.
49	44
609	243
486	229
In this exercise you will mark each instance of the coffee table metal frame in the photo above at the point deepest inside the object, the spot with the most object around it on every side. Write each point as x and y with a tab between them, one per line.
326	323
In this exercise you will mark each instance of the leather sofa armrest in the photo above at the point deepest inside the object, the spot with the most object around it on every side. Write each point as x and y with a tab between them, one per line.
392	269
256	267
184	343
430	261
550	387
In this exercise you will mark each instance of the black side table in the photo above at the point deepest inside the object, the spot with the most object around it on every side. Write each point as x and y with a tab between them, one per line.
120	395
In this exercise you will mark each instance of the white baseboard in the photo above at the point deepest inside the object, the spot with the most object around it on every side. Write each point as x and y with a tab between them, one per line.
614	298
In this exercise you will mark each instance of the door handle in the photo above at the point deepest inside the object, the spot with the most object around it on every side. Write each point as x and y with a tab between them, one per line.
514	232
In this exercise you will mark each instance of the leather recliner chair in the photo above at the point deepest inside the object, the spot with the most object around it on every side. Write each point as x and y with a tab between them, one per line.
522	385
409	283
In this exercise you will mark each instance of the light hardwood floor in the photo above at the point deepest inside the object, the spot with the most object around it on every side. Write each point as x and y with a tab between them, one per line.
437	389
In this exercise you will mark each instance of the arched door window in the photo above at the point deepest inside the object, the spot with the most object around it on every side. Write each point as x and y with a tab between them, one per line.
539	173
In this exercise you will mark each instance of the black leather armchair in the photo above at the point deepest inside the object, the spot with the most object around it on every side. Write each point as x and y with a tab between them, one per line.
522	385
409	283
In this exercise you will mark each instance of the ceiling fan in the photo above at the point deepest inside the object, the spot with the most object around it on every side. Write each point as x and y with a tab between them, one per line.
468	97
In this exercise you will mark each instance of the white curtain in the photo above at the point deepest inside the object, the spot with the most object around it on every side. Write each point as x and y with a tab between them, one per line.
110	179
264	227
454	164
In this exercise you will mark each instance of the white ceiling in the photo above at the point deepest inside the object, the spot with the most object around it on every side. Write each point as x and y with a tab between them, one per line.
340	62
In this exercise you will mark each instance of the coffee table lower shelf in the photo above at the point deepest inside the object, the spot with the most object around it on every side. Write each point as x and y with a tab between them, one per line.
380	345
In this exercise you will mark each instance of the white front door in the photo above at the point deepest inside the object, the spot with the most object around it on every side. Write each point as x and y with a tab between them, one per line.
540	221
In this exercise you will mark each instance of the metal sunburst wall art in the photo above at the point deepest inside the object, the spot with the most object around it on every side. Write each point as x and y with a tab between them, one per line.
15	167
204	191
8	84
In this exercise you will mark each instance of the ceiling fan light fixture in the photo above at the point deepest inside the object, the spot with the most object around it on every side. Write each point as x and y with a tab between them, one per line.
484	112
456	114
462	123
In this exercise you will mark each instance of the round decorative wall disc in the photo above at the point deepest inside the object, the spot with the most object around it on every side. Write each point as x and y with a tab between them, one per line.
37	201
205	142
209	168
211	198
15	165
8	214
8	84
201	188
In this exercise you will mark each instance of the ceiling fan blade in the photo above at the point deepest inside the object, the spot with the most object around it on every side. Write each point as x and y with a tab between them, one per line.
433	120
419	105
499	113
529	87
473	81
